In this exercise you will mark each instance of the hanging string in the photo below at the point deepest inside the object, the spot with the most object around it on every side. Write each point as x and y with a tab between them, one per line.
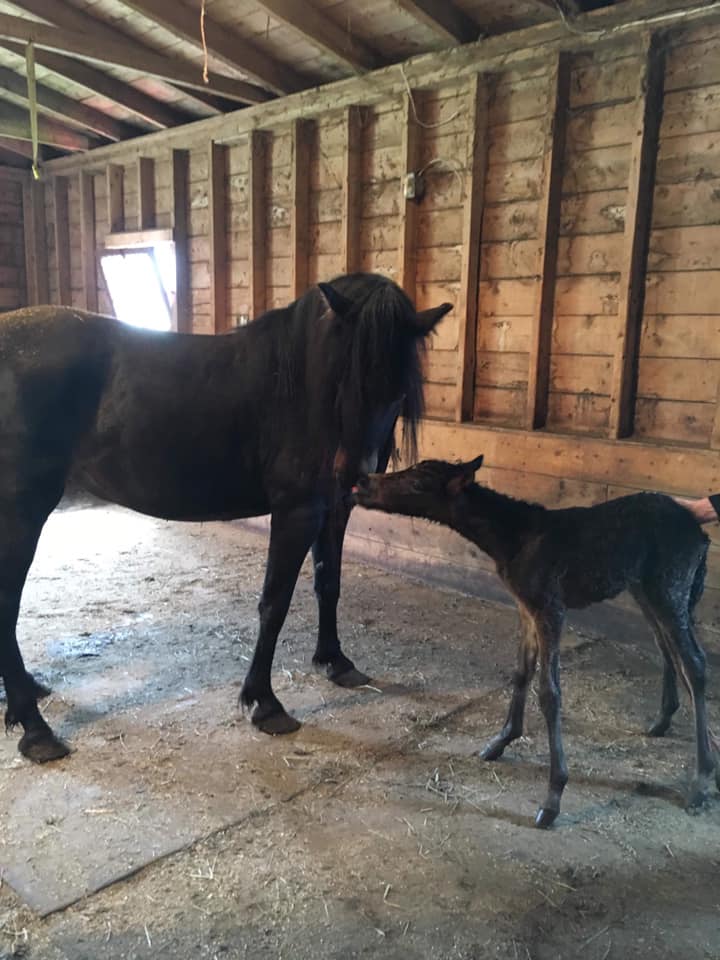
32	99
206	79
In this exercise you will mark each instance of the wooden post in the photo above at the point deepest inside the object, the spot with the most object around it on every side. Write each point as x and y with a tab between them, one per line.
300	190
715	436
409	163
116	213
548	234
217	202
180	205
638	216
467	306
36	258
350	229
87	240
62	240
257	219
146	193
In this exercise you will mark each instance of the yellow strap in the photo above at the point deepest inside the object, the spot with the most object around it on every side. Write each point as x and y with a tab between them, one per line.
32	97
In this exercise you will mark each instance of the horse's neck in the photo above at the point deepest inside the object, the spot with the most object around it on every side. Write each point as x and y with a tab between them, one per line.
498	524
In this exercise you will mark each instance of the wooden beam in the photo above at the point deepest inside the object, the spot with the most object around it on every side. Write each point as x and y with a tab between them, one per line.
317	27
223	43
127	55
409	163
443	18
467	305
87	240
180	188
50	101
257	220
115	178
638	216
138	238
21	148
151	110
36	258
146	192
548	234
217	202
300	192
15	124
352	187
62	240
518	50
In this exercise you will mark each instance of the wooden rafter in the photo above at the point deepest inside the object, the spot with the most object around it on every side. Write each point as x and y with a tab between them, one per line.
443	18
15	123
323	32
52	102
223	43
127	55
20	148
151	110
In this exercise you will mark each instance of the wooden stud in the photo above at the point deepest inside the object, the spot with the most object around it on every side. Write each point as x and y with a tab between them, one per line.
87	240
115	176
257	219
300	192
715	436
548	234
146	192
638	216
217	202
467	305
180	168
351	178
62	240
409	163
36	259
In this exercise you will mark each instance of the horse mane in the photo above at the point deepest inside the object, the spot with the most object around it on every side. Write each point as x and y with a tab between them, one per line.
372	355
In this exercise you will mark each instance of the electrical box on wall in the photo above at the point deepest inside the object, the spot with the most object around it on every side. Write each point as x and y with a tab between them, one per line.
414	186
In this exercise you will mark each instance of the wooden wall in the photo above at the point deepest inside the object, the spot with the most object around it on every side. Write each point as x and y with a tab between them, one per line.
571	215
13	290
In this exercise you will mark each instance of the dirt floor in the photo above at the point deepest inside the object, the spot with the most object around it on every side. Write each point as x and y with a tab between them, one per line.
375	831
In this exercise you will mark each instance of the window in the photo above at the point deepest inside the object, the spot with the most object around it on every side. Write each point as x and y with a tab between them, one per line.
141	284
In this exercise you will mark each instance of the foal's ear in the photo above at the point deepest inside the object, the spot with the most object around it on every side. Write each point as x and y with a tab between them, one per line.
336	301
464	475
426	320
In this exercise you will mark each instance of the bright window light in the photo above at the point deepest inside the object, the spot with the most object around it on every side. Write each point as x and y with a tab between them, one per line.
141	284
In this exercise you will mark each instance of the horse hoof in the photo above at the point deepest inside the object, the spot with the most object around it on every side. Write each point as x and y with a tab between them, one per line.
492	751
39	689
659	728
698	795
349	678
276	724
545	818
41	746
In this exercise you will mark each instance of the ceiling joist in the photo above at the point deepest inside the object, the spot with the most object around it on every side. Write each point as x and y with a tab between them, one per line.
444	18
324	33
50	101
15	124
223	44
126	54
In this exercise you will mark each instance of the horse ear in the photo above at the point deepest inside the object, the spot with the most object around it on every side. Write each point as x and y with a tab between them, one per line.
426	320
336	301
464	476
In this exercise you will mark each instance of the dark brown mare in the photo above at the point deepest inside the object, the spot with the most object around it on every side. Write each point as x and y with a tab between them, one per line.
279	417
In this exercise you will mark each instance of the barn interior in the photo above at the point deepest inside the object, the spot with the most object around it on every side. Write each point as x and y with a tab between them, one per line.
552	169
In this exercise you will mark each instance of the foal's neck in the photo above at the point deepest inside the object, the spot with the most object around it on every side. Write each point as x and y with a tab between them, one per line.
498	524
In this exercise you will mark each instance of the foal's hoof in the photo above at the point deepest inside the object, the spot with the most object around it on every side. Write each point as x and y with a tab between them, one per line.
41	746
492	750
545	818
698	794
276	723
659	728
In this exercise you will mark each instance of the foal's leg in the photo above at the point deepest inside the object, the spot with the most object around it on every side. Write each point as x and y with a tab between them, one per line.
327	561
291	534
19	533
522	678
669	702
549	626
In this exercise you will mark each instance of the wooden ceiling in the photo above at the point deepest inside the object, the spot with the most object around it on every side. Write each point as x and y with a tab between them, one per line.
109	70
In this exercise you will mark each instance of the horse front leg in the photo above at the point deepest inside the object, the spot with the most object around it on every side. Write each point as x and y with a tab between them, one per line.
291	534
327	560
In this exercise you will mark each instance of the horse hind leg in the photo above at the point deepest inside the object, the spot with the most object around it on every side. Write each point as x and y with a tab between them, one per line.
669	702
327	563
18	538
